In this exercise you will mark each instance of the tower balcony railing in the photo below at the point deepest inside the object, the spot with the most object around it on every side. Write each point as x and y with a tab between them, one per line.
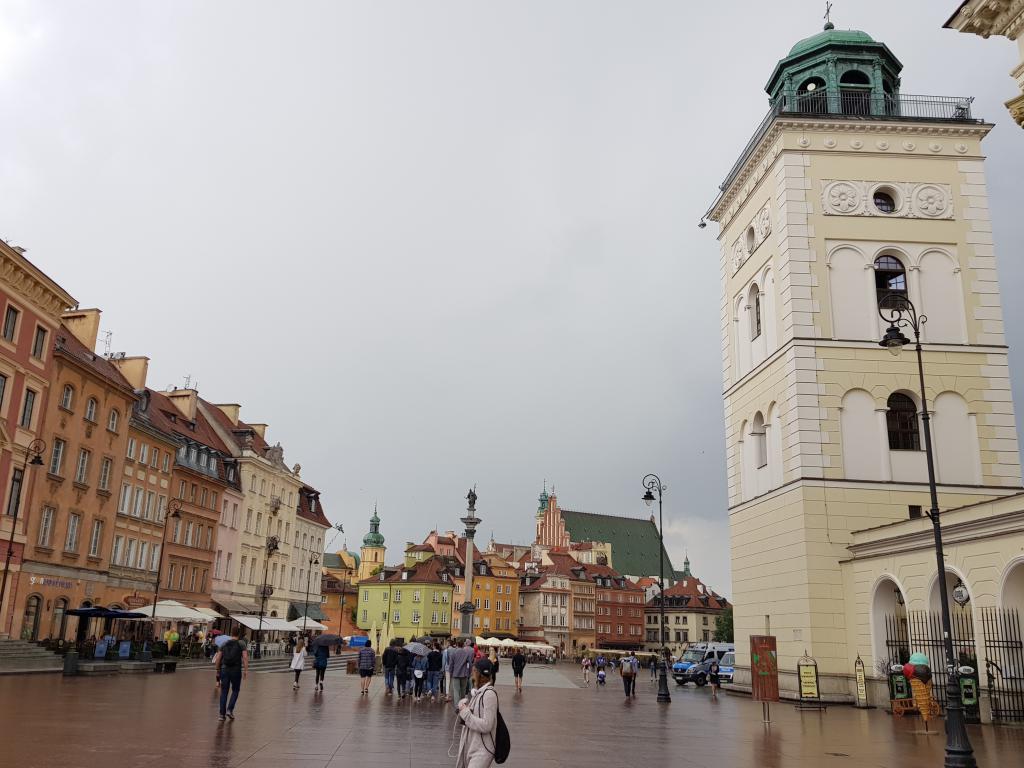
849	104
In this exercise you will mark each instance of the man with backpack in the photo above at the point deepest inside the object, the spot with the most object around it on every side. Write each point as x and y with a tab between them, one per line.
485	739
628	672
232	667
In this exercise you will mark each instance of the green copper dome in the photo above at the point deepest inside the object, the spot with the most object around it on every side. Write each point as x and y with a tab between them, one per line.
374	538
830	37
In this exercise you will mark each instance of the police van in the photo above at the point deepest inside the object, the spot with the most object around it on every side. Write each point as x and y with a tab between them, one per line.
698	653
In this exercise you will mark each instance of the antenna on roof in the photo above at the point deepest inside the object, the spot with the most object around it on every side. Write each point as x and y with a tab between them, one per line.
188	381
108	337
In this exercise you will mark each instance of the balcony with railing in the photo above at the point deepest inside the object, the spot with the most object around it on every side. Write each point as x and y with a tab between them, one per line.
858	105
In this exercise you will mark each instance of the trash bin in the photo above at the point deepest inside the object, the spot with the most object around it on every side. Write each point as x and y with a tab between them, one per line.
70	663
350	667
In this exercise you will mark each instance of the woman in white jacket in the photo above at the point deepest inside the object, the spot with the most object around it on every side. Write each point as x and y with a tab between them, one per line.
479	714
298	662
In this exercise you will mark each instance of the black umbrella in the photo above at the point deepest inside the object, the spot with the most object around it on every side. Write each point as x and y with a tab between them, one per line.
327	640
105	613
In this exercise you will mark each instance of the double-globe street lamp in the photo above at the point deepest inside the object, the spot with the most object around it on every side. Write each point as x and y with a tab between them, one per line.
265	591
899	312
35	450
653	483
314	560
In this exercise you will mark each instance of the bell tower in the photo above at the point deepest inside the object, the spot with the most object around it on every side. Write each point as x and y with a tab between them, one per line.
371	554
851	194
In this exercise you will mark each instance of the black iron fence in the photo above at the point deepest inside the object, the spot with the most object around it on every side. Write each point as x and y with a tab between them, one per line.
1004	663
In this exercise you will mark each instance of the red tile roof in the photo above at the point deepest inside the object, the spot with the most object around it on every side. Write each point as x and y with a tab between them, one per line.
309	511
164	415
68	345
427	572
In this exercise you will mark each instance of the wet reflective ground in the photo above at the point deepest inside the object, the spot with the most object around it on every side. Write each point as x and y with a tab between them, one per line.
170	720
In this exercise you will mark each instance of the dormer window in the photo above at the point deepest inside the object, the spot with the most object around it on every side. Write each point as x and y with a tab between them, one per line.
382	575
405	575
444	577
192	454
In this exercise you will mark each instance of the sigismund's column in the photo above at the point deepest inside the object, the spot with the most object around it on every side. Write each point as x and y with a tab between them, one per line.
471	521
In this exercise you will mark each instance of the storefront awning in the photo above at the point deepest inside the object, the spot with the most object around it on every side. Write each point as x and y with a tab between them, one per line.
299	609
208	612
235	605
269	623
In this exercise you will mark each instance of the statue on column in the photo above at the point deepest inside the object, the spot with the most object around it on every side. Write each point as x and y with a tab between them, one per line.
471	497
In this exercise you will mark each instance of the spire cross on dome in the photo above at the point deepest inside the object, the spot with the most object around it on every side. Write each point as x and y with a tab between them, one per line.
828	15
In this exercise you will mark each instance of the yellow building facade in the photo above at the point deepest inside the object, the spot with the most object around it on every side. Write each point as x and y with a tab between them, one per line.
848	193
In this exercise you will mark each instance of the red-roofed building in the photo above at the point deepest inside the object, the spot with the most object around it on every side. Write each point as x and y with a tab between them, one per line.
619	615
582	600
691	608
544	599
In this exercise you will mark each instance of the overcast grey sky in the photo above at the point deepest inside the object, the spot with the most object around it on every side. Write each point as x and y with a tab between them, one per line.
435	243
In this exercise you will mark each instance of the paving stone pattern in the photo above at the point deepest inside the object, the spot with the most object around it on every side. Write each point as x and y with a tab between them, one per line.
170	720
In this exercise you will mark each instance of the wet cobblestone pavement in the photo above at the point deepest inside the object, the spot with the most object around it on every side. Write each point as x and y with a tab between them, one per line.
170	720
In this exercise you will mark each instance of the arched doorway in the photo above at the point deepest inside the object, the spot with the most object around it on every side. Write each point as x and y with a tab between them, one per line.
30	622
59	620
890	633
1012	593
953	580
82	630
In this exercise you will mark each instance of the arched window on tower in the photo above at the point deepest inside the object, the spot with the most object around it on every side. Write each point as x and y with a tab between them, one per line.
760	440
901	420
855	93
811	97
890	282
754	305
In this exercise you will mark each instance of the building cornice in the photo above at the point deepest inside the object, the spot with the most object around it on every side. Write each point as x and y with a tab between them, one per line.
32	283
989	17
763	155
915	535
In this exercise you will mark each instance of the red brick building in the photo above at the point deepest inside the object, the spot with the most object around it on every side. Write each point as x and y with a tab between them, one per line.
619	614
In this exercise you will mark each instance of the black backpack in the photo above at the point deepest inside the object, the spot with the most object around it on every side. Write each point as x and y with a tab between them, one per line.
231	654
502	740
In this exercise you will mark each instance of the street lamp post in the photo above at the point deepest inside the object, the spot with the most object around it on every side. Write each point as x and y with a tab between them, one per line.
313	561
653	483
265	592
899	312
173	513
35	449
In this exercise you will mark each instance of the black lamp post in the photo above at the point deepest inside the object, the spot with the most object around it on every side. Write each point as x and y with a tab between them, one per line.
35	450
265	591
173	513
653	483
313	561
899	312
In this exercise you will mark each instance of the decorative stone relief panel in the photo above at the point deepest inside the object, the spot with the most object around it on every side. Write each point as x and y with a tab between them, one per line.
909	199
755	233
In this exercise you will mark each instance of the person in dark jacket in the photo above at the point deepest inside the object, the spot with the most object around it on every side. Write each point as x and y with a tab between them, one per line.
388	660
367	661
518	665
403	671
321	655
434	672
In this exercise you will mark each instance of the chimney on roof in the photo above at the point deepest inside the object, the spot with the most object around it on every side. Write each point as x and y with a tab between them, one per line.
231	410
85	324
185	400
134	369
260	429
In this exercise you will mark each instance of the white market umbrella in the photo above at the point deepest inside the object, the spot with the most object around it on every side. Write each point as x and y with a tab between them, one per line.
172	610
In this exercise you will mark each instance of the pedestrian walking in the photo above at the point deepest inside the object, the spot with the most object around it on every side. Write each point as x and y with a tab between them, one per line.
403	671
434	672
518	665
232	667
628	676
654	668
461	665
298	662
419	677
585	665
634	663
366	663
479	715
495	666
321	656
715	677
388	660
446	670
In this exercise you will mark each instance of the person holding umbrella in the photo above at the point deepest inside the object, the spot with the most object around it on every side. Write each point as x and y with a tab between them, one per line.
321	655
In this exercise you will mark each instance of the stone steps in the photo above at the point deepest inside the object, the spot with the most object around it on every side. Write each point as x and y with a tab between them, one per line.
20	657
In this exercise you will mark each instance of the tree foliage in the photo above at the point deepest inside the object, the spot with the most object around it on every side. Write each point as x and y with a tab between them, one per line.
723	627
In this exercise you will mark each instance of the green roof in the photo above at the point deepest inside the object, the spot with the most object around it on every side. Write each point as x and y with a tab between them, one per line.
830	37
635	543
331	560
